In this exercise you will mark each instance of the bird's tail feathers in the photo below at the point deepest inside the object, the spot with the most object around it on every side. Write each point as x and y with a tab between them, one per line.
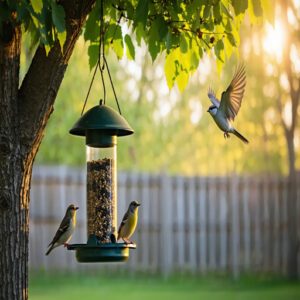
242	138
49	250
52	246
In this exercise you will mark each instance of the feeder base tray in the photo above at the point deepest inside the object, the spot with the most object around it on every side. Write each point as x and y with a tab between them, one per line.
94	251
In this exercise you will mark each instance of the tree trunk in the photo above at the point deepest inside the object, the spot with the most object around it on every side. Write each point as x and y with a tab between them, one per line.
13	187
24	113
292	267
292	210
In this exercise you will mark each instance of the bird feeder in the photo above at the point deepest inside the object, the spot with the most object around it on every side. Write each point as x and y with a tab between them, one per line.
101	125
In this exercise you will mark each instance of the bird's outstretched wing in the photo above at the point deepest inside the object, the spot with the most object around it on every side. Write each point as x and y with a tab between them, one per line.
231	99
124	220
212	96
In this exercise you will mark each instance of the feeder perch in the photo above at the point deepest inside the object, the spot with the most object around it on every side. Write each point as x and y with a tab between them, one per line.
101	125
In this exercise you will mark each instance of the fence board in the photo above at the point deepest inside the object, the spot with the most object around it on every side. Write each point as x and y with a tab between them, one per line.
212	207
235	246
179	222
246	225
202	215
223	217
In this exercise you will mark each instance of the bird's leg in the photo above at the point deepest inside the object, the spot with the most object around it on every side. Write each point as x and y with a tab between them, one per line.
126	241
226	135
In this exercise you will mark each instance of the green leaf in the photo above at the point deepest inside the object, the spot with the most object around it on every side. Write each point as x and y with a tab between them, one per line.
114	38
141	13
182	80
217	13
219	50
130	51
93	52
156	37
183	43
170	67
207	11
47	48
231	39
268	10
254	11
228	47
194	59
37	6
153	44
226	11
240	6
45	26
92	30
140	33
58	17
61	36
172	40
257	9
162	27
23	14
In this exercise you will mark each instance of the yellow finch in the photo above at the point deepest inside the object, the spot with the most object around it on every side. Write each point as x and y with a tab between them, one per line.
129	222
65	230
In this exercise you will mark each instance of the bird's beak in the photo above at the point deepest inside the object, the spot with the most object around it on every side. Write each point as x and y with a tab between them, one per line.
138	204
76	208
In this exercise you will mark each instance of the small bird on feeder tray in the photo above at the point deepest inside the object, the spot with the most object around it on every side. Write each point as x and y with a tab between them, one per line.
129	223
65	230
224	111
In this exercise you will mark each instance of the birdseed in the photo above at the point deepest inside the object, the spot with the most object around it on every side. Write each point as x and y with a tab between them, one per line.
101	198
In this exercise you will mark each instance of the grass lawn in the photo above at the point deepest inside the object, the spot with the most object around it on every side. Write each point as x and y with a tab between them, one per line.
77	287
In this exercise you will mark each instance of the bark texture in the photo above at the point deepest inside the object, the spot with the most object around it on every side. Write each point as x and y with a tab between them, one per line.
24	112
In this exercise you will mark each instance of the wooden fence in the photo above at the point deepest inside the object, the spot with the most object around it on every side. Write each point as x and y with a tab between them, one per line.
194	224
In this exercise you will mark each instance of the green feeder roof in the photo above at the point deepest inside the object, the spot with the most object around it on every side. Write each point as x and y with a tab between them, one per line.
104	119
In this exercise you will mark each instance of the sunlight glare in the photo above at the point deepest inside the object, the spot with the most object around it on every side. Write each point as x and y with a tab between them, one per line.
287	113
196	110
274	40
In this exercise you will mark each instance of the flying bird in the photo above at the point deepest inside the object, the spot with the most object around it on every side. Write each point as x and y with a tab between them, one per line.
129	222
65	230
224	111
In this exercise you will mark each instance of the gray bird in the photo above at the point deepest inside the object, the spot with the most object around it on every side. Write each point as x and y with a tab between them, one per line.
129	222
224	111
65	230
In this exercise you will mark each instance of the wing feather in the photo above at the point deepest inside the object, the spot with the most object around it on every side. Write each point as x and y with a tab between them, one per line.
124	220
212	96
231	99
64	225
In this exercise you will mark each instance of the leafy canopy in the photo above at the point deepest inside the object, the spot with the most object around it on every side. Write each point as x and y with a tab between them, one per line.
183	30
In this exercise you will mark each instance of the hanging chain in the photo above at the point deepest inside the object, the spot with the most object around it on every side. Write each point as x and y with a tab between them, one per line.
101	57
101	64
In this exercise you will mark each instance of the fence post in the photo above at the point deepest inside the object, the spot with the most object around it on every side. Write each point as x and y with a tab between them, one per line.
202	215
180	220
235	226
166	212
